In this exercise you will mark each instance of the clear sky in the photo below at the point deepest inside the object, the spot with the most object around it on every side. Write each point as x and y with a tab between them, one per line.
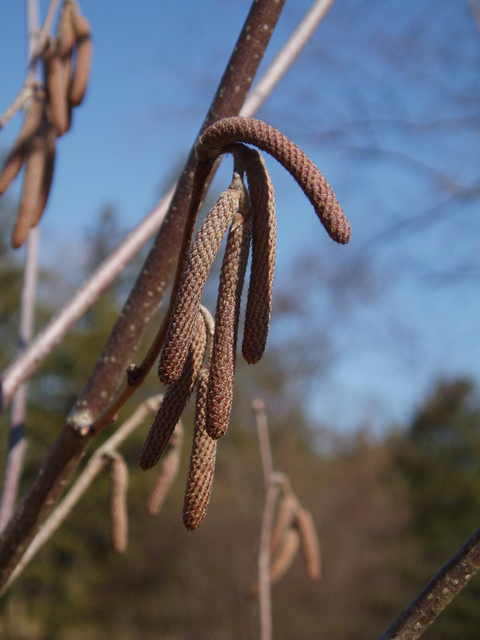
385	99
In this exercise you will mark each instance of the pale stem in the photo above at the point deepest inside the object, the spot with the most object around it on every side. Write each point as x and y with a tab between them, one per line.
16	441
96	463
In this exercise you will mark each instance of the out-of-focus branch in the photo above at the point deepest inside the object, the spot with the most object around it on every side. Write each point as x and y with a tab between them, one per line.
16	440
143	301
94	466
438	593
29	361
272	489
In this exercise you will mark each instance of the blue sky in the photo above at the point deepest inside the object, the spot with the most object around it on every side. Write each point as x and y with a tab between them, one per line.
385	99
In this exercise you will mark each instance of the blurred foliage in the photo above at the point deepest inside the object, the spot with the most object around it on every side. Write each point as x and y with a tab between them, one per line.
389	512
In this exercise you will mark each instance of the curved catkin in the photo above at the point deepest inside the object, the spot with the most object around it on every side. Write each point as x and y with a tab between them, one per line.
310	544
31	191
32	123
49	146
174	400
200	259
168	472
66	32
264	250
202	462
287	550
118	504
222	368
252	131
57	82
83	57
284	517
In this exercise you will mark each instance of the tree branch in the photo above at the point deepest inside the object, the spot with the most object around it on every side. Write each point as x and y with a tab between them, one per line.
96	463
149	289
438	593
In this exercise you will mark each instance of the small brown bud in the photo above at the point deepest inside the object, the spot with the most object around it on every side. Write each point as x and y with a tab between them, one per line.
83	57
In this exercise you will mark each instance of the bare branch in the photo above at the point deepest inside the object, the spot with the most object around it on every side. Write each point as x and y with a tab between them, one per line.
438	593
130	328
16	443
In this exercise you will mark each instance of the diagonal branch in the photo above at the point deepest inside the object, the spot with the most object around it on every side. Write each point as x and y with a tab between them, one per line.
130	328
438	593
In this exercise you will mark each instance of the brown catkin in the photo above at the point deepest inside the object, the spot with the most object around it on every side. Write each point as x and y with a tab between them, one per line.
118	504
310	544
57	82
198	265
264	250
83	57
222	368
239	129
286	552
66	32
32	123
284	517
202	461
168	472
49	143
31	191
174	400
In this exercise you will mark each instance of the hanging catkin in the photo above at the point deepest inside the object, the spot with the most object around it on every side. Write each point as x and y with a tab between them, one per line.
264	249
83	56
202	462
174	400
222	368
118	504
32	123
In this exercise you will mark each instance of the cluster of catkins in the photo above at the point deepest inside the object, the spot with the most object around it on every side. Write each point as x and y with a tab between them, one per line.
293	529
66	61
185	362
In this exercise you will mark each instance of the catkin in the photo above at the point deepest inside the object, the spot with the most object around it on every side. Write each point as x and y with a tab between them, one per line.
174	400
49	145
310	544
202	461
31	191
83	56
199	262
286	552
264	248
32	123
227	131
57	83
222	368
168	472
284	517
118	504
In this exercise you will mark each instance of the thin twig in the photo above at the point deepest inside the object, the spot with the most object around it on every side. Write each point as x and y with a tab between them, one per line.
272	487
438	593
130	328
16	439
96	463
44	342
16	443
